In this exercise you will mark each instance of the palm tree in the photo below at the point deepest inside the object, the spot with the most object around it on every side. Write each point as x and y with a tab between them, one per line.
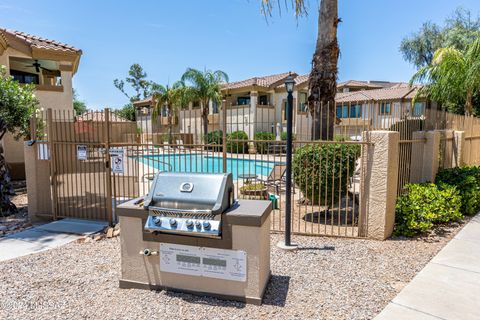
167	97
453	77
323	76
205	87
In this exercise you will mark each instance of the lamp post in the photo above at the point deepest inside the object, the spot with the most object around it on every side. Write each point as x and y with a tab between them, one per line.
289	85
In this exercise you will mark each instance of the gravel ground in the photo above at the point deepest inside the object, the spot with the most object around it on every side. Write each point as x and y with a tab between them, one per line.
327	278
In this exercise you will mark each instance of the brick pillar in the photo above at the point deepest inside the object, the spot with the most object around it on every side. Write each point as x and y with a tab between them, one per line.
380	162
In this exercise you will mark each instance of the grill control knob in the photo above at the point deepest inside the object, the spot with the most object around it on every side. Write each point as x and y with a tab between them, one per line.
198	224
206	225
157	221
189	224
173	222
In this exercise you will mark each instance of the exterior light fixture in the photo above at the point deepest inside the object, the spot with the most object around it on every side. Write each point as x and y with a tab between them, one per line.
287	245
290	83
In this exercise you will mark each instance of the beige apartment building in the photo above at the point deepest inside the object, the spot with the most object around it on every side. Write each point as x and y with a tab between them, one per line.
258	104
49	65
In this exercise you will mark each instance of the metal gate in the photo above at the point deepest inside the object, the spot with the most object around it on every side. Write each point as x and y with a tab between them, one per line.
326	200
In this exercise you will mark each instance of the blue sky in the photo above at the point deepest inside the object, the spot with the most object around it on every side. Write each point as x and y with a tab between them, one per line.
166	37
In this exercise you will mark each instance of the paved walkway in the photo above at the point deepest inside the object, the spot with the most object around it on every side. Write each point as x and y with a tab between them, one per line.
46	236
449	285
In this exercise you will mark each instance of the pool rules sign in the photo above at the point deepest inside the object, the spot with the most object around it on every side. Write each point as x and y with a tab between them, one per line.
117	160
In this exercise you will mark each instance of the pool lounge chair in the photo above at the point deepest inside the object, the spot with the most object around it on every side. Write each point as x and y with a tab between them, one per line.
167	146
180	145
275	178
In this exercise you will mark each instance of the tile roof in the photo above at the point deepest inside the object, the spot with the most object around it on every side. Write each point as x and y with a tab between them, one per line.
264	82
38	42
301	79
395	93
359	84
143	102
99	116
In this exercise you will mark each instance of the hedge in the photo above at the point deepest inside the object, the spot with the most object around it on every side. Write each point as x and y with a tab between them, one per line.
214	140
317	166
237	146
283	136
262	147
423	205
467	181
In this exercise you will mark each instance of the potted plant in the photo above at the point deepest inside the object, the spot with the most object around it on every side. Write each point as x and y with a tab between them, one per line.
254	189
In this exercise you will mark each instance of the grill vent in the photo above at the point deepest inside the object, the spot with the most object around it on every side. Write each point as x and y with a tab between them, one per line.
181	214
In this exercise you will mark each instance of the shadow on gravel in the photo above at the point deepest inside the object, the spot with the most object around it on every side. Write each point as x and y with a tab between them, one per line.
324	248
436	235
275	295
205	300
277	291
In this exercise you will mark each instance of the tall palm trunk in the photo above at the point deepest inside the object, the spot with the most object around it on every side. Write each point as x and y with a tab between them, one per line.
205	117
469	104
323	77
170	126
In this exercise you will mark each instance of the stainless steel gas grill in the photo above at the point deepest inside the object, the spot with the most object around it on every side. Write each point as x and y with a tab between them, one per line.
188	235
188	204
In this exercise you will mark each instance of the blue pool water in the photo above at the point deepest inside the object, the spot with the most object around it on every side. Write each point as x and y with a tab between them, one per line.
207	164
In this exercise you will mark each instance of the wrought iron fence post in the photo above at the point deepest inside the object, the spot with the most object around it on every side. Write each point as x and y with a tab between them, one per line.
53	168
108	170
224	135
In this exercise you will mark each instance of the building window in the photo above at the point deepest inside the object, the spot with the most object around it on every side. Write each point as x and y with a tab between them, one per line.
263	100
418	109
384	109
196	105
349	111
302	102
215	108
243	101
24	77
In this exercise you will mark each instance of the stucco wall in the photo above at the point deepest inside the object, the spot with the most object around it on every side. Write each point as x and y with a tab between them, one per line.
14	153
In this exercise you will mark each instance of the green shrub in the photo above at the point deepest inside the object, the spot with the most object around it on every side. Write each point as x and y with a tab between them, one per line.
423	205
234	146
467	181
262	147
321	171
214	140
283	136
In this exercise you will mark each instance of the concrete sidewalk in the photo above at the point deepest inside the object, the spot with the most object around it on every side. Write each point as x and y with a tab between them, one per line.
46	236
449	285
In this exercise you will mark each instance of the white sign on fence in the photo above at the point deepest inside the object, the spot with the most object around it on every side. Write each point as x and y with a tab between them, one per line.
43	151
81	152
117	163
115	151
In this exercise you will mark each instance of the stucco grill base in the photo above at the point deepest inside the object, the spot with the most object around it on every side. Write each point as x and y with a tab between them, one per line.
246	227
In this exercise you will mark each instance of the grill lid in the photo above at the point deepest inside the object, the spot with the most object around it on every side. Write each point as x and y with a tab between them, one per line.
195	193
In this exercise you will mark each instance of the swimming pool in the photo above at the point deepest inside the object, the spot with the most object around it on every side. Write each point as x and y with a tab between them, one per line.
204	163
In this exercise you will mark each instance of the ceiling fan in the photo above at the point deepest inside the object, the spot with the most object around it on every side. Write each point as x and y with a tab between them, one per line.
38	66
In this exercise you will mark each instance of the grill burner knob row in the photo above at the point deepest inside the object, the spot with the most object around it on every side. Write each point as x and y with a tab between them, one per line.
189	224
173	222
